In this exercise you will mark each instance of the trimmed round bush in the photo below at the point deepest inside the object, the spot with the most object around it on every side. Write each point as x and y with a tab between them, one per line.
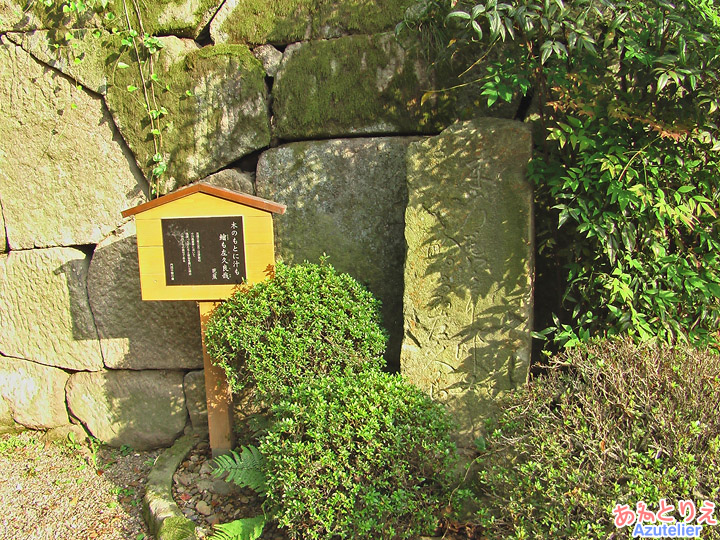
613	423
358	456
305	320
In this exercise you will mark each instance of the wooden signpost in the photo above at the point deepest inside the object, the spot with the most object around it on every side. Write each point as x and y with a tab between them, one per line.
198	243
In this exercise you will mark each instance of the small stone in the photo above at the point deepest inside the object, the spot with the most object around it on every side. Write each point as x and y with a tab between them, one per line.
207	468
221	487
204	485
184	479
242	499
213	519
204	508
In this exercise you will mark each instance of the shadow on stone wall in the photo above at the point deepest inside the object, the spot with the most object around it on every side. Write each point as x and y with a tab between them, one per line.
141	409
345	198
133	334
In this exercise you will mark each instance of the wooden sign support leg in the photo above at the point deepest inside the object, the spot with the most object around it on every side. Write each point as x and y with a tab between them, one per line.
219	399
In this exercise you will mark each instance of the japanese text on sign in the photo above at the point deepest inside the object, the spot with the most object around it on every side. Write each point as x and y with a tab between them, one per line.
204	251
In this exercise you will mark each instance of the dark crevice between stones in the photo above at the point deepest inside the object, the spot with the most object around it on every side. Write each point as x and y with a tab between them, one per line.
372	135
4	231
89	251
524	106
247	163
204	38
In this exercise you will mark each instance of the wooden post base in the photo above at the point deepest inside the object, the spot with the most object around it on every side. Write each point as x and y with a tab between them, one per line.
219	399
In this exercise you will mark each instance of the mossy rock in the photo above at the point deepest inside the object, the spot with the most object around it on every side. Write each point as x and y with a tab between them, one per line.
216	103
286	21
183	18
351	85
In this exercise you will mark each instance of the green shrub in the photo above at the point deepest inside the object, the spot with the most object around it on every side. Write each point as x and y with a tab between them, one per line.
305	320
625	99
613	424
358	456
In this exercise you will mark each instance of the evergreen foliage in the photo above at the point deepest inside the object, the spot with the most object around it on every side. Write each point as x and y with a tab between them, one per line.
627	169
305	321
611	423
246	469
358	456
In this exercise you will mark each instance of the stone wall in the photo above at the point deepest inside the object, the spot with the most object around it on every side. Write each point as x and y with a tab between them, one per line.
320	115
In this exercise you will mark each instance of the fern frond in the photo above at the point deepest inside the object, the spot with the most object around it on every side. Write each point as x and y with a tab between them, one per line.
240	529
246	469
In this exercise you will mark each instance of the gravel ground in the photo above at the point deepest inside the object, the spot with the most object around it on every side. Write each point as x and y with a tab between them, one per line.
208	500
69	491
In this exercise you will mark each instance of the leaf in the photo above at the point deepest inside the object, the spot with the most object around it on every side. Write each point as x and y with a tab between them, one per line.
246	469
122	65
458	15
240	529
131	88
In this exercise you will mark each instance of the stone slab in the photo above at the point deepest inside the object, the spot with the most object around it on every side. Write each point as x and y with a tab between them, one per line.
468	271
345	198
286	21
45	314
161	513
68	181
141	409
35	394
85	62
135	334
3	233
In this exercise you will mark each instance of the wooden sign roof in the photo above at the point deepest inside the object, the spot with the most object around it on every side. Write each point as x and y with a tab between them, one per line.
201	187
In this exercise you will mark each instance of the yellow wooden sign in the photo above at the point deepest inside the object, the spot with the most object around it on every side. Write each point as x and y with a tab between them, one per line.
199	243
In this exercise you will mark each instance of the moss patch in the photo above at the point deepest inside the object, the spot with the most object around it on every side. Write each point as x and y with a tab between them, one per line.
216	103
287	21
351	85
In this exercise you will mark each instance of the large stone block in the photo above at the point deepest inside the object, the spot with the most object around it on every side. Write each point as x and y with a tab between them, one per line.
142	409
64	176
352	85
135	334
45	316
34	394
345	198
286	21
468	271
217	111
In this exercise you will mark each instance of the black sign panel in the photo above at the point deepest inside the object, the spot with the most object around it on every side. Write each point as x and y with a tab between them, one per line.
203	251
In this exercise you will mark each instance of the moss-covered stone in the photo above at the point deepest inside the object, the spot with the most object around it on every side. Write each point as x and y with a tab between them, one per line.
183	18
216	103
287	21
352	85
